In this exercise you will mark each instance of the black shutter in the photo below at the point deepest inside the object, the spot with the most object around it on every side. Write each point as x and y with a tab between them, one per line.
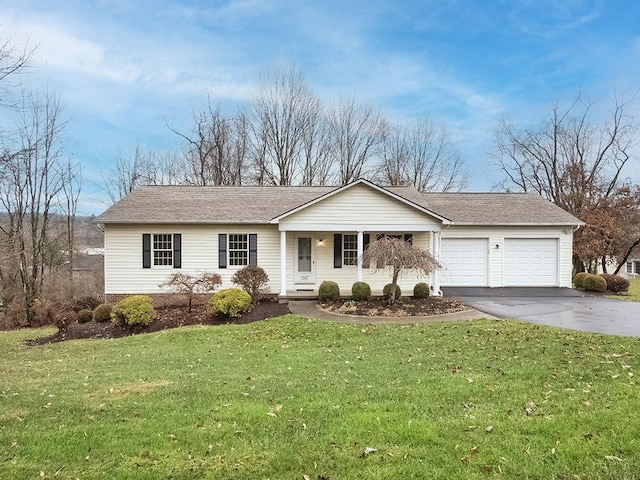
366	239
177	250
222	250
408	237
337	250
253	249
146	250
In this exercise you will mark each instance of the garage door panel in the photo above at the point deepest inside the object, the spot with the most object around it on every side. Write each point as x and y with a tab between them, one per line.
531	262
465	262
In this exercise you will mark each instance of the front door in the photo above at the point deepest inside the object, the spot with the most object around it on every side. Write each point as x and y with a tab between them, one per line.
305	271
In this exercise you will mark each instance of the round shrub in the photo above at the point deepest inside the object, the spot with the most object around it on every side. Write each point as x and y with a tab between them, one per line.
86	302
616	283
421	290
254	280
133	311
360	291
231	302
328	291
594	283
102	313
386	291
85	315
579	278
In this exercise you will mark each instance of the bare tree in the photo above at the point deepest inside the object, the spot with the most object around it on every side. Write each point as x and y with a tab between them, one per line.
421	154
190	285
568	159
395	253
13	61
33	178
284	111
356	133
142	167
216	148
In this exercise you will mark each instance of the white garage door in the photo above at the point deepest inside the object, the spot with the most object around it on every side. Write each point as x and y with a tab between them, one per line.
531	262
465	262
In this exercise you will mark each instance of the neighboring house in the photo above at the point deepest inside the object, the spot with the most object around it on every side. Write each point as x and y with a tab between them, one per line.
632	268
304	235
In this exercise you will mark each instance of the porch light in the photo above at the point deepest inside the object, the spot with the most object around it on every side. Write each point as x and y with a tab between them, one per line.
321	242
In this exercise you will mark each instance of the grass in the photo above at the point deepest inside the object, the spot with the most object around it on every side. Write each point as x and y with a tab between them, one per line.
289	397
633	295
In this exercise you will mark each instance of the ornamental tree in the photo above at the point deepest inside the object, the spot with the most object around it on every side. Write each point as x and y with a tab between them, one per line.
189	285
398	255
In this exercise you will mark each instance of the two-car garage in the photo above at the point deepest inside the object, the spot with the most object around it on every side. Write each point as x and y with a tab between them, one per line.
480	262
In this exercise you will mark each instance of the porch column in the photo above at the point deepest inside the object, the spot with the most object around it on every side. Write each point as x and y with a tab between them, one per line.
436	255
283	263
360	250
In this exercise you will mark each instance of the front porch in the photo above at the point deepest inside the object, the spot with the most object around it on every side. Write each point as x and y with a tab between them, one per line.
309	258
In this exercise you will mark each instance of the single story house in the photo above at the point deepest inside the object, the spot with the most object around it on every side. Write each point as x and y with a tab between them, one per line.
302	236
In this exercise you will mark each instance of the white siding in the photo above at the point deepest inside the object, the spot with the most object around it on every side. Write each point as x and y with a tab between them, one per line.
347	275
496	238
123	255
361	205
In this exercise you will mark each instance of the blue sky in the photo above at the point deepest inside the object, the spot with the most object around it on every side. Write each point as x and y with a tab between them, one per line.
125	69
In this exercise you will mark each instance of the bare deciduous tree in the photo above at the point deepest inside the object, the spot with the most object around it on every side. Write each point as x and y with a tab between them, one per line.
283	112
398	255
356	133
216	148
421	154
141	167
33	178
13	61
190	285
569	159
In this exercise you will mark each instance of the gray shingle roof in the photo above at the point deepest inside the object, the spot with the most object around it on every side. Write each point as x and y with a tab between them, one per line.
251	205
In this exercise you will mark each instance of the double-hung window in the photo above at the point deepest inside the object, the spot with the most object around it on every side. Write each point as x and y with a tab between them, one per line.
161	250
350	250
238	249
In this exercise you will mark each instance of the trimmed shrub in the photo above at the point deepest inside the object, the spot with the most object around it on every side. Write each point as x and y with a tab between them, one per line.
329	291
579	278
133	311
386	291
254	280
421	290
102	313
360	291
594	283
86	302
616	283
230	302
85	315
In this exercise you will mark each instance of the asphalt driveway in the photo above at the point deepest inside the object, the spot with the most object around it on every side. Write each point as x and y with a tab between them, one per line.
557	307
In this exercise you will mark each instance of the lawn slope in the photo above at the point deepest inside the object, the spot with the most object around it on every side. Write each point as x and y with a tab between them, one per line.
289	397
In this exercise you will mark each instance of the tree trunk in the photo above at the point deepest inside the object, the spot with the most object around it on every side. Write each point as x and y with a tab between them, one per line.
626	256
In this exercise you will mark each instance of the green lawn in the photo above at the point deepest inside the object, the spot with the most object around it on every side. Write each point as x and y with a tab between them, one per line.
289	397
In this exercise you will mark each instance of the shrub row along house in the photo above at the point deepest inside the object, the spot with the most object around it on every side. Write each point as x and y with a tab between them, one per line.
303	235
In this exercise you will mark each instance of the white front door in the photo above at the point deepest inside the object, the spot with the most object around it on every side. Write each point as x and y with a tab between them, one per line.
305	264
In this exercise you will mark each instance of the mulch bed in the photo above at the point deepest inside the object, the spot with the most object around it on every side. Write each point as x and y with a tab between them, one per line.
404	307
165	317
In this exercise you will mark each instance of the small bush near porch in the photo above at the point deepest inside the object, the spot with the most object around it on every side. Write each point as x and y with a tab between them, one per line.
293	398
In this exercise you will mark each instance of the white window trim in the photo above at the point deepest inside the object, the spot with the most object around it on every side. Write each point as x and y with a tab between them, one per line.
229	249
154	259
